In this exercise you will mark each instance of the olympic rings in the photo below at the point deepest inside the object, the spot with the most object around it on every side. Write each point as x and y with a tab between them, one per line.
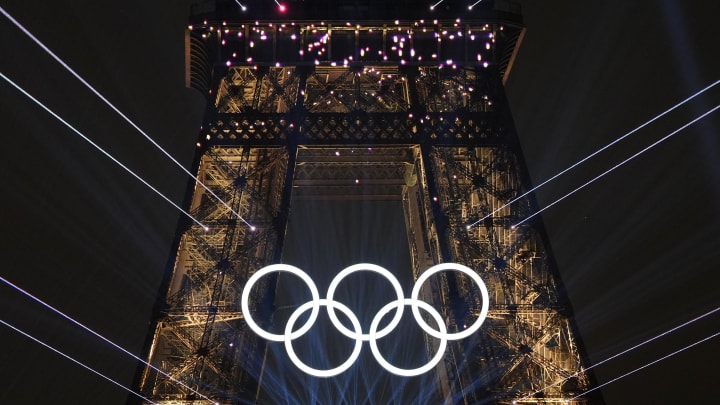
290	269
360	267
313	371
373	335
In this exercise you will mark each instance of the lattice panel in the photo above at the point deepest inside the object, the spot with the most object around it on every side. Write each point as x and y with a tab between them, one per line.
526	343
201	338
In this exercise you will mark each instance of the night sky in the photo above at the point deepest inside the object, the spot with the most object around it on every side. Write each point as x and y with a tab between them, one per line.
638	250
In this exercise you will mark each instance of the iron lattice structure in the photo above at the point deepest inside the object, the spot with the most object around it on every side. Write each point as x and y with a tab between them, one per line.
412	110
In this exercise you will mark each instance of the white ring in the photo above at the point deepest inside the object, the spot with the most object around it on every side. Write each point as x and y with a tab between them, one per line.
369	267
476	278
273	268
313	371
403	371
373	335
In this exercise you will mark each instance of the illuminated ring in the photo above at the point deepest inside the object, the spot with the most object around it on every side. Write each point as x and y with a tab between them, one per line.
402	371
315	303
463	269
289	338
369	267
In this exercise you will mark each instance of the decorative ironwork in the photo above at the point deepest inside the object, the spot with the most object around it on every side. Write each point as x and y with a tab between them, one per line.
406	110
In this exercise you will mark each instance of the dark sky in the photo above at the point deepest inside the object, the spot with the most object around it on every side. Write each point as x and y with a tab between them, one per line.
638	250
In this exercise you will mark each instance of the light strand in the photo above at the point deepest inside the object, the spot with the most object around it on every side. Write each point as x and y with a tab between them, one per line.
27	335
127	169
586	158
120	113
671	330
101	337
648	364
666	137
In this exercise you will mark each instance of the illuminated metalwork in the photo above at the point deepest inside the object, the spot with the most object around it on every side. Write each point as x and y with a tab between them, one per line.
412	111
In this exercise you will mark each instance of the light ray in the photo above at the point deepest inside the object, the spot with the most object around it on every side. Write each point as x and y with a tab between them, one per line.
648	364
671	330
583	160
242	6
127	169
27	335
470	7
281	7
666	137
120	113
101	337
436	4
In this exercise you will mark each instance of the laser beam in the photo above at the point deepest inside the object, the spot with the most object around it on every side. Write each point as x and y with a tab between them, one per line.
120	113
666	137
281	7
242	6
470	7
436	4
101	337
27	335
648	364
127	169
671	330
586	158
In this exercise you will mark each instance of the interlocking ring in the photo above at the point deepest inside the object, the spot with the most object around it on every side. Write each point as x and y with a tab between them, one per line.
373	334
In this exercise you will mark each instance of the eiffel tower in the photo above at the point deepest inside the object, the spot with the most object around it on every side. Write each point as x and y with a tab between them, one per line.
327	106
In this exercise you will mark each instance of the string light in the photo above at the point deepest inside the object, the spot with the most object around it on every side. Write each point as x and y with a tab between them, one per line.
436	4
120	113
103	338
666	137
36	340
127	169
583	160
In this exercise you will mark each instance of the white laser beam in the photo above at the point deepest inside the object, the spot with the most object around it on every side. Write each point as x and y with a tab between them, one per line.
666	137
117	110
127	169
648	364
242	6
671	330
281	7
586	158
36	340
470	7
101	337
